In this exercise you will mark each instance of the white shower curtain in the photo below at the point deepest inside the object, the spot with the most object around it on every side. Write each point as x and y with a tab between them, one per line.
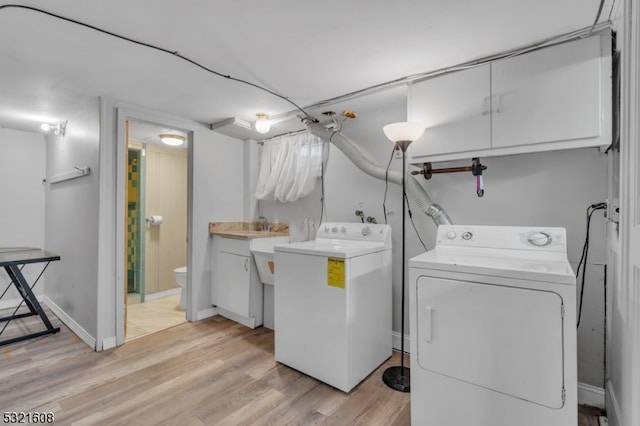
289	167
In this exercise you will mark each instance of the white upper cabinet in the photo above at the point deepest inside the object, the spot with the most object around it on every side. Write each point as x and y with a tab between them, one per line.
455	108
553	98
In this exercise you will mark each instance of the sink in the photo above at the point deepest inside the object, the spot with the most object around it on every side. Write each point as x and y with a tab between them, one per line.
262	249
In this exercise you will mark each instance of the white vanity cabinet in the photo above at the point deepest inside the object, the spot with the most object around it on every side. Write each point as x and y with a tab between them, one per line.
559	97
236	289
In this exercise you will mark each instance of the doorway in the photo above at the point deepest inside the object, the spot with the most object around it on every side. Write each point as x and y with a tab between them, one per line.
156	229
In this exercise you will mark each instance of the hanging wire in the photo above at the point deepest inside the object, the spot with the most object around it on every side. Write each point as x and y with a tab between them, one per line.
386	184
406	200
585	252
595	21
158	48
322	203
352	95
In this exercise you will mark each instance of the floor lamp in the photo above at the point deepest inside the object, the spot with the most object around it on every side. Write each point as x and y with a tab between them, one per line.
401	134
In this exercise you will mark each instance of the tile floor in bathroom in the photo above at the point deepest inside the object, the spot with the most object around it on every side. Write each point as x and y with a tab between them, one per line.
154	315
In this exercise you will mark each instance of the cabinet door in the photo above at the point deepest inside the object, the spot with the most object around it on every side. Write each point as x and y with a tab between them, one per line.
456	110
549	95
231	286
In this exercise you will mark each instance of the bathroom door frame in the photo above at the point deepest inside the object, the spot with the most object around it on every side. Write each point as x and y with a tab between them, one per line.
124	115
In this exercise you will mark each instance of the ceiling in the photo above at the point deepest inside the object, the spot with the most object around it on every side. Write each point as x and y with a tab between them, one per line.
304	51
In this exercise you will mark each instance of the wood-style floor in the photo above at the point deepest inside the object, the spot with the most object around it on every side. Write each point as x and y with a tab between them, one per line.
212	372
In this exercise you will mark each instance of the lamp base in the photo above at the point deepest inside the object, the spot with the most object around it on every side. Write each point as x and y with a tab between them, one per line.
398	378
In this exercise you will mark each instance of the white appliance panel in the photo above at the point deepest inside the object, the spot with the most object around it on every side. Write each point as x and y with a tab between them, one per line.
489	342
508	340
307	314
332	307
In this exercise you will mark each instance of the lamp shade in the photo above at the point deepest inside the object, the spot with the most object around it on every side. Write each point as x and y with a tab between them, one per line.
173	140
404	131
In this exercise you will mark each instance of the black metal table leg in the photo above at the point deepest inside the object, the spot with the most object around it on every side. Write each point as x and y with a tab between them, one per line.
32	303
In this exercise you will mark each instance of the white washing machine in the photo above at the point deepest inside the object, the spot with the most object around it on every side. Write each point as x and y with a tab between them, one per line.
493	329
332	303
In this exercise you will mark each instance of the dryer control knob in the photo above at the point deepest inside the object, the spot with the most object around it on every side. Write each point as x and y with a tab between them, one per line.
540	239
343	230
334	229
467	235
451	235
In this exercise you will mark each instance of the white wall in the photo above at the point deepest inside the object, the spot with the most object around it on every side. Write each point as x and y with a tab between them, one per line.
22	168
71	223
216	194
547	189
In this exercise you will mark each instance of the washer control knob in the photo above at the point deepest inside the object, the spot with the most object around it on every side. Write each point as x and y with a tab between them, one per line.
334	229
326	229
540	239
467	235
451	235
366	231
343	230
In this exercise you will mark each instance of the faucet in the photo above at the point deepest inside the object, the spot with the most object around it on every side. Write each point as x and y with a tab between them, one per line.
264	224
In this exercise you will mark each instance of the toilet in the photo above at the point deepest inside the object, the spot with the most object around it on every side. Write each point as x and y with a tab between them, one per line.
181	279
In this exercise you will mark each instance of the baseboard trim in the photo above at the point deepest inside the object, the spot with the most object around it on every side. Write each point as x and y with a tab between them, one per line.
69	322
395	343
206	313
592	396
247	322
613	408
161	294
108	343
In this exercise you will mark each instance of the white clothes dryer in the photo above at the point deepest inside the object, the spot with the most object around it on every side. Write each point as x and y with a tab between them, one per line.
332	303
493	329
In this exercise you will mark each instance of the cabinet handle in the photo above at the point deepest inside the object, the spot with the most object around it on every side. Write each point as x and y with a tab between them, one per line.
246	264
486	108
498	103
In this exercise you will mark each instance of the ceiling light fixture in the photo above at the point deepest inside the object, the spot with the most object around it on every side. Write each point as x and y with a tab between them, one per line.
58	129
172	140
262	124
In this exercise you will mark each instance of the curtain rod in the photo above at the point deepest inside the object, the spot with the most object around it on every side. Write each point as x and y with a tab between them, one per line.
296	132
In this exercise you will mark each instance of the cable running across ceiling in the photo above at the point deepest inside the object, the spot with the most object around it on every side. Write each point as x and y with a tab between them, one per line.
585	32
152	46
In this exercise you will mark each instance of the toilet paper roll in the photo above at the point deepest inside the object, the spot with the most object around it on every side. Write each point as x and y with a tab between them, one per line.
155	220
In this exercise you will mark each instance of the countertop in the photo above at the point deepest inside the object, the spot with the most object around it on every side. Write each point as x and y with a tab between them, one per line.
247	230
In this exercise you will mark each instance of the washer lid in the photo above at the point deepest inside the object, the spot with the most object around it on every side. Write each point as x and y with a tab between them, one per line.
498	263
332	248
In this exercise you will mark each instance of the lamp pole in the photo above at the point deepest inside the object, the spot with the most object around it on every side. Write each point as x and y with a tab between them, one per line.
399	378
402	134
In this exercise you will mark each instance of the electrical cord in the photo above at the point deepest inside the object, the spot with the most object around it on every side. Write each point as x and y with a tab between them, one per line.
322	206
597	16
158	48
386	184
406	200
585	253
